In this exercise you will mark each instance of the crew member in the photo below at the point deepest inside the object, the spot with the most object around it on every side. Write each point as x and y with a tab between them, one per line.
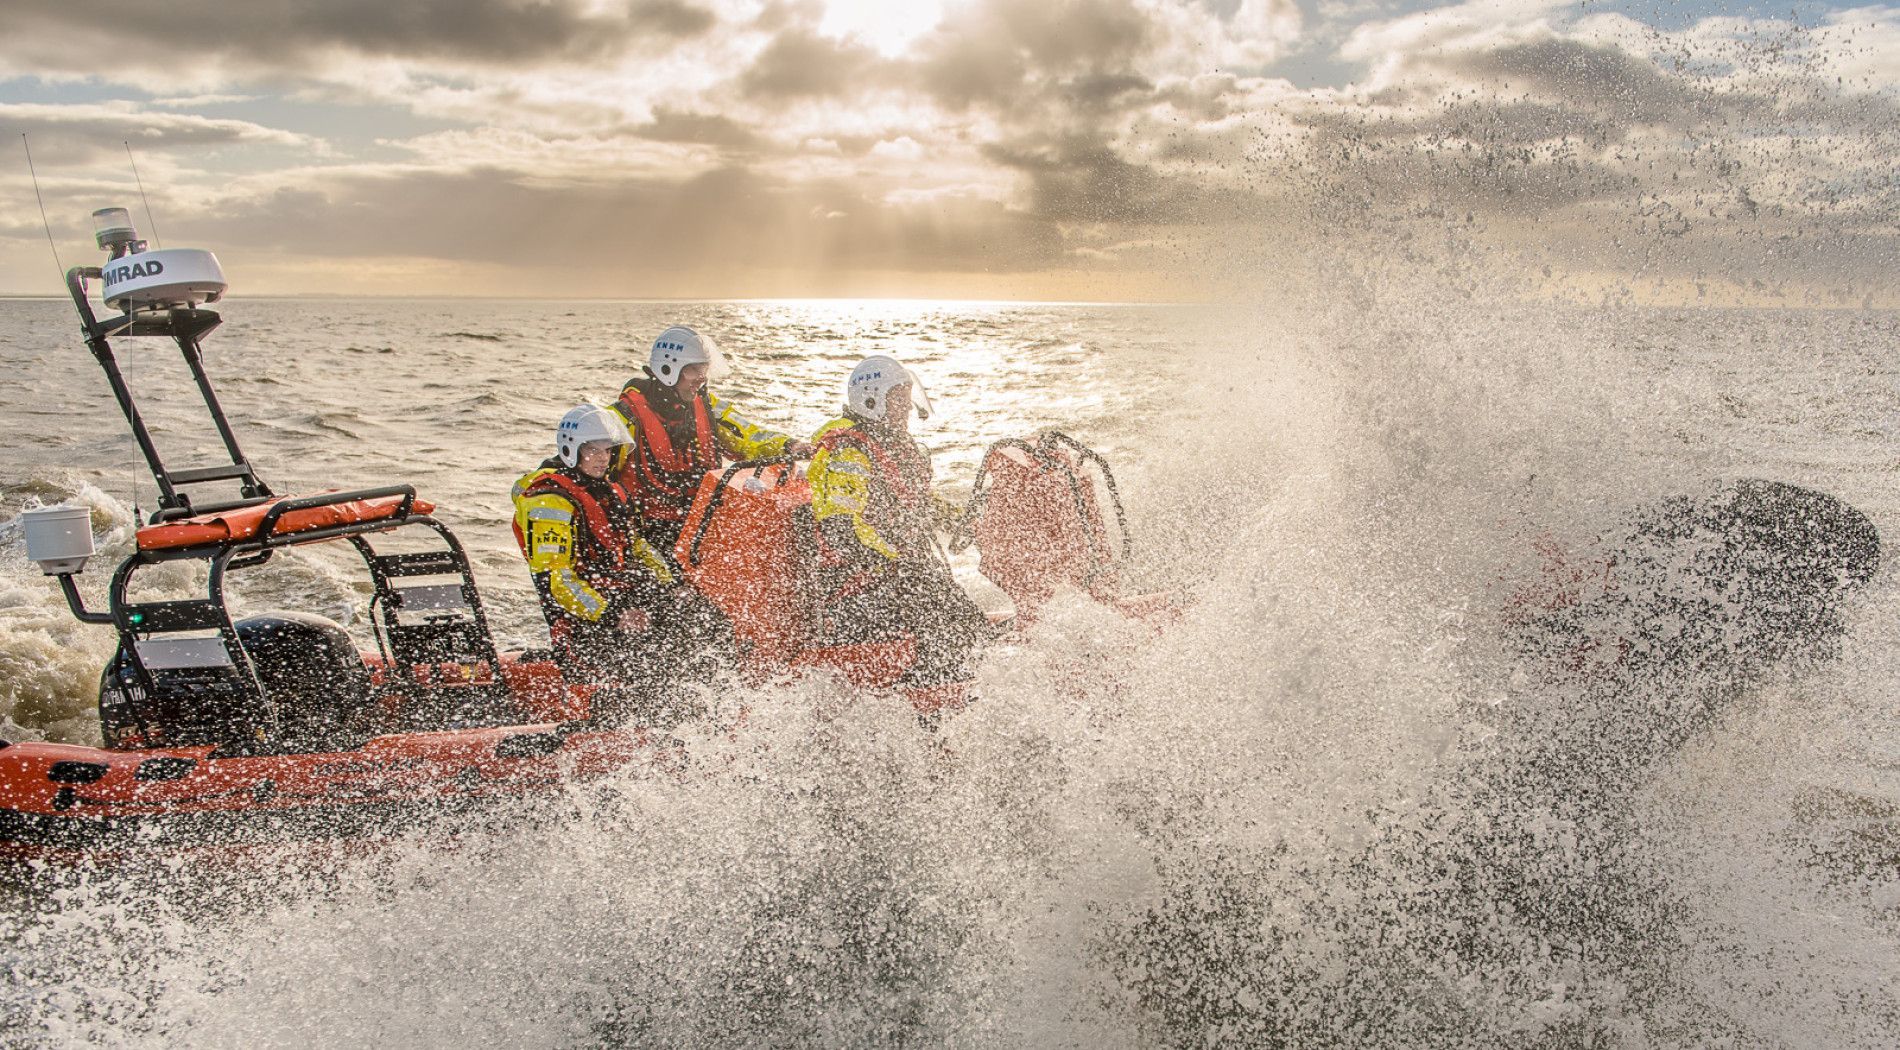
598	578
576	530
681	431
881	574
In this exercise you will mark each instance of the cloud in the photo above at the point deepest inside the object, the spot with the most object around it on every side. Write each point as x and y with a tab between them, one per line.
262	34
1007	135
997	53
77	134
801	64
1235	34
1607	103
1082	179
1395	41
1725	151
669	18
198	101
1100	92
902	147
726	218
711	129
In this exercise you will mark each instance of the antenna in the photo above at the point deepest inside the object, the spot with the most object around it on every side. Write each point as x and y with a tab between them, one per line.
61	267
150	222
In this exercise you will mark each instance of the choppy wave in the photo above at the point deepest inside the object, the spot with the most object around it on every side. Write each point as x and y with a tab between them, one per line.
1287	819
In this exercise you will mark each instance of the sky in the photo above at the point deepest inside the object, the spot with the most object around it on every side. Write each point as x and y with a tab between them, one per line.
1010	149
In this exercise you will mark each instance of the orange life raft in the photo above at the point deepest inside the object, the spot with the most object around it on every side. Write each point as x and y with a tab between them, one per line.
235	526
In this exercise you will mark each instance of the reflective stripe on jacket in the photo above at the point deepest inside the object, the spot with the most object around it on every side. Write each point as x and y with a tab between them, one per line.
583	567
880	479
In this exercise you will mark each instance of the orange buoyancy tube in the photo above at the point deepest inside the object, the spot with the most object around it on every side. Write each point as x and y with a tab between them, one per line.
658	477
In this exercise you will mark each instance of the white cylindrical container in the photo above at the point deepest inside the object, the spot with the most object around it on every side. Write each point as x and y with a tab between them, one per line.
58	538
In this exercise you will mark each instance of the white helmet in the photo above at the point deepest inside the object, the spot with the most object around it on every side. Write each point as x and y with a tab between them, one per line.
872	381
680	346
588	423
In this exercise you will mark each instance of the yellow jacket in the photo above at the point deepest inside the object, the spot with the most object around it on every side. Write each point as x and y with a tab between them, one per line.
878	481
579	571
739	437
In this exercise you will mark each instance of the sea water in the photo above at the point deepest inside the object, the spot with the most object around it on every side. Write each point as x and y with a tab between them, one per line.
1276	820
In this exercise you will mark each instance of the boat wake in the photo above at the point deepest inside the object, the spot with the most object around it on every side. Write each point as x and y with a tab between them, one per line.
1490	723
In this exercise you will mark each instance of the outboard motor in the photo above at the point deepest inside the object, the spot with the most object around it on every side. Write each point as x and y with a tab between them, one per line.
196	704
1750	573
313	679
311	672
1646	640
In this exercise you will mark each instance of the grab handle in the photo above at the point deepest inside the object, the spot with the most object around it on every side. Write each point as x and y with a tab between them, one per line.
757	466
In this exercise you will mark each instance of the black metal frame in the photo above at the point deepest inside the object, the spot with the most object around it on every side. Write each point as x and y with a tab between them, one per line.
443	637
406	646
136	621
186	326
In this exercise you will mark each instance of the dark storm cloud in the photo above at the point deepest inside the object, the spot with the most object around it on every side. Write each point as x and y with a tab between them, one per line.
1097	92
1615	92
1488	160
1608	161
1541	125
672	18
1081	178
1061	79
1453	123
1607	80
295	32
1612	84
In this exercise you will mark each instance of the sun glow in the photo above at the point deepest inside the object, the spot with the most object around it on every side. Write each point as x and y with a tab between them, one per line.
885	25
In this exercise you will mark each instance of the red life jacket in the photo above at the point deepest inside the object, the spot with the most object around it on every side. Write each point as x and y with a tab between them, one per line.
659	478
899	506
602	532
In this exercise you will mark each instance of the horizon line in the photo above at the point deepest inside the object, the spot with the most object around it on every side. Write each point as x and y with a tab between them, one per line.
55	297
